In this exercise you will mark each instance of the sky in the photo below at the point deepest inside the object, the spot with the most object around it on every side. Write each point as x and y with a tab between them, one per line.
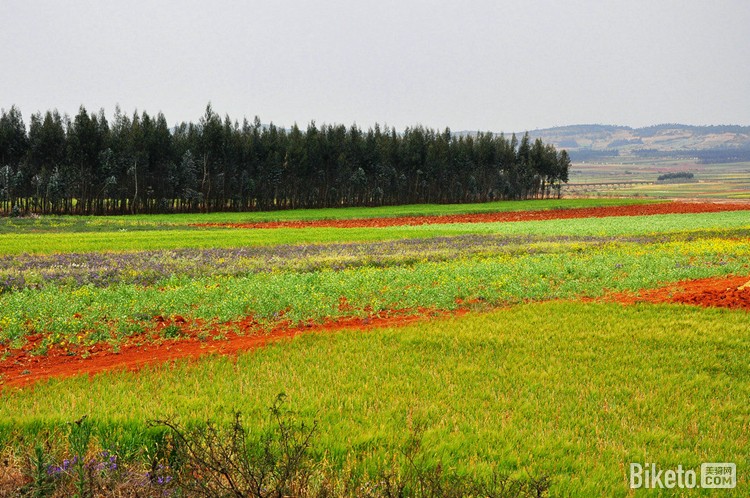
468	65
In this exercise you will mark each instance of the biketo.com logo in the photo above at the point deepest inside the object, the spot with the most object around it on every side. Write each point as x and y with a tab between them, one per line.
713	475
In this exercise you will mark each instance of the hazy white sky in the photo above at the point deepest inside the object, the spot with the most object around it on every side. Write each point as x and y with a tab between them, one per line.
488	65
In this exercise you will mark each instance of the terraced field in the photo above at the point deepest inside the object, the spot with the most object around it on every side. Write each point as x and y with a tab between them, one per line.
551	343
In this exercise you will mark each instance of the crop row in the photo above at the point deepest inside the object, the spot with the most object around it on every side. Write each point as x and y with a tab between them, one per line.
143	240
170	221
102	269
88	314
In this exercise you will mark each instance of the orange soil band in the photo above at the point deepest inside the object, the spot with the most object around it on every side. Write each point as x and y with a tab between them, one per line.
549	214
719	292
22	367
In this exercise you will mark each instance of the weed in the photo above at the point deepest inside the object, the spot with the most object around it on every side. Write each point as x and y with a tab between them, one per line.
217	462
79	439
42	482
171	332
226	462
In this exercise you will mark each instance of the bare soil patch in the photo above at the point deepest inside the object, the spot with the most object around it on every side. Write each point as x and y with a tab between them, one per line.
717	292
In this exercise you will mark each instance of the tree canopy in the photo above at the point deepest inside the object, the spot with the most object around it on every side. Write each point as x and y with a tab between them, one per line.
138	164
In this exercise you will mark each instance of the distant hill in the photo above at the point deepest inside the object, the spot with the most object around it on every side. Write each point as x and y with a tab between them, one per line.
726	143
723	143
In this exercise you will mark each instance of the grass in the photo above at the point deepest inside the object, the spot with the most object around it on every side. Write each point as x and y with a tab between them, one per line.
573	390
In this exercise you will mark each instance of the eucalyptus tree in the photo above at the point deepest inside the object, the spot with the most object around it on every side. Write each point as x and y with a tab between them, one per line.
87	136
46	155
14	145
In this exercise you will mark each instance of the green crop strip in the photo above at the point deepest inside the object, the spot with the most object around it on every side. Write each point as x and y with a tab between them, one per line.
78	224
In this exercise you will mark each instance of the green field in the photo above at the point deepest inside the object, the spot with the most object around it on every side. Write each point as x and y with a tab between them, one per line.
569	390
534	381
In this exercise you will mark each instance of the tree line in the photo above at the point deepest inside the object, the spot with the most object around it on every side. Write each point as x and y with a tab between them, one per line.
138	164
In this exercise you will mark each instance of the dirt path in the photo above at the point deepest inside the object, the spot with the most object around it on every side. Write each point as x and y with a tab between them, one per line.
549	214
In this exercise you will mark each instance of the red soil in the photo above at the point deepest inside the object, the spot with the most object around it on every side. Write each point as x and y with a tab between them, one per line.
23	367
721	292
675	207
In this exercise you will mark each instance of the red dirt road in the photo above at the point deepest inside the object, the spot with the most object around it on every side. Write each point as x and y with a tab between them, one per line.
676	207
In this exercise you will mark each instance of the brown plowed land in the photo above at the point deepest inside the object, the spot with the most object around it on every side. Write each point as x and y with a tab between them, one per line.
674	207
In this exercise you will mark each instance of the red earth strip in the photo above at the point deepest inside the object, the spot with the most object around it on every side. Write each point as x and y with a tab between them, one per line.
715	292
22	368
675	207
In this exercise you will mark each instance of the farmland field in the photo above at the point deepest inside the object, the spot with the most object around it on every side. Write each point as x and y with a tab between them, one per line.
557	340
637	177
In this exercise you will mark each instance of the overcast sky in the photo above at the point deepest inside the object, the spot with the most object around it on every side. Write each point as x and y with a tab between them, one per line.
470	65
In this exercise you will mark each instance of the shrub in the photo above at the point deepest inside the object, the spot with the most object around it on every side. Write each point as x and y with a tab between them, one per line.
682	175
